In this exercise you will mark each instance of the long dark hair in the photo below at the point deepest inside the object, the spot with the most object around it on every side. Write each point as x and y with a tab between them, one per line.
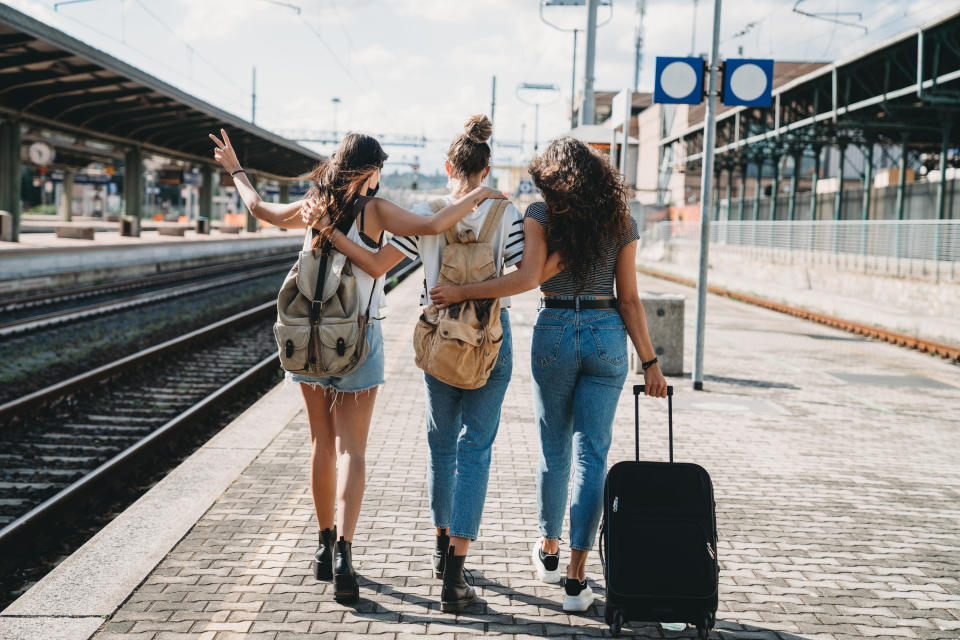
586	203
338	180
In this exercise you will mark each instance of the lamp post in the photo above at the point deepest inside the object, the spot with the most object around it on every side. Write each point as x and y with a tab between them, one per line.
538	94
576	31
336	103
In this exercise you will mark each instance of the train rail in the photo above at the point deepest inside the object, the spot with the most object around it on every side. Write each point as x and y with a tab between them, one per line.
899	339
64	444
32	313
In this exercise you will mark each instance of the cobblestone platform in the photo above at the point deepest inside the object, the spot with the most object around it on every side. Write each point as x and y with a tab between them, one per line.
837	483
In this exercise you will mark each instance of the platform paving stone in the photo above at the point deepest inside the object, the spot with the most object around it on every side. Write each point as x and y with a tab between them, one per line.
838	504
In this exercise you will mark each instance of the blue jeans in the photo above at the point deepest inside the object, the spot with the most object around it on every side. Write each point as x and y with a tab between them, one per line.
579	361
461	426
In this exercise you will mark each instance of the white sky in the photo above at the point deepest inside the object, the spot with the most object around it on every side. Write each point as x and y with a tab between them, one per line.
421	67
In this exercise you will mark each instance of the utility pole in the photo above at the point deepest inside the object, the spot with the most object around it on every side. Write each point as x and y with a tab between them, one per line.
493	109
587	110
638	35
253	98
573	82
706	196
336	104
693	33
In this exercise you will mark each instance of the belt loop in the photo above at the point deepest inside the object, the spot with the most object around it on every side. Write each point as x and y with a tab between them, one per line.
540	304
576	302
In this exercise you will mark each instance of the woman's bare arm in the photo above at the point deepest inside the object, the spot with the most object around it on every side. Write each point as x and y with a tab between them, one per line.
535	267
401	222
375	264
634	319
279	215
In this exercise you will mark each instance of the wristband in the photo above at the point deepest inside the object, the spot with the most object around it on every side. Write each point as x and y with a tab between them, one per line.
649	363
236	172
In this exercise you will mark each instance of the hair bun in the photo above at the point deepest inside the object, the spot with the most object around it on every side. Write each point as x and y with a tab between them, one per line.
478	128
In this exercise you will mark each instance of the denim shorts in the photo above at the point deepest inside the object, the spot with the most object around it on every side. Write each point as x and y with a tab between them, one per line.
367	376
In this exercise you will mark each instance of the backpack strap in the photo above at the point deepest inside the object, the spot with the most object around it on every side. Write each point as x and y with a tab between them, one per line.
326	246
450	234
492	221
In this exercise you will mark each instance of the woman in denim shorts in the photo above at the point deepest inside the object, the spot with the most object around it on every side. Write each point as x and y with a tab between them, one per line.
339	409
579	349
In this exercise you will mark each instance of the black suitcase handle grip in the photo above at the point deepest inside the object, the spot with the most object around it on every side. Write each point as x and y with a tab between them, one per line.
637	390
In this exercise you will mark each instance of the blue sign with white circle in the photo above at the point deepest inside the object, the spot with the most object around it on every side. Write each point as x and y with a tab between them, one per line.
526	186
747	82
678	80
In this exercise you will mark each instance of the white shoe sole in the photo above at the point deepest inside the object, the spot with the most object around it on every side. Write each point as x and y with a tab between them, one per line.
549	577
578	603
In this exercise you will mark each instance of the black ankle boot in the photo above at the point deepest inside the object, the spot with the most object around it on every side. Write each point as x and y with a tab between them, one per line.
345	589
440	554
323	558
456	594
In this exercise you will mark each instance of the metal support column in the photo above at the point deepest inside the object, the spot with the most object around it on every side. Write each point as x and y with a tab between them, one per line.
743	191
902	178
587	107
251	220
10	174
284	192
838	196
867	181
206	192
756	193
794	179
942	186
133	183
813	182
66	195
775	189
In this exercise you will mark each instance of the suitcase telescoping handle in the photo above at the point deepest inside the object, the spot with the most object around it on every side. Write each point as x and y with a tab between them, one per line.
637	390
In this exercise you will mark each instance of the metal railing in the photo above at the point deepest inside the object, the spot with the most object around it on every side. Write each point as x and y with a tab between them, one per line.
907	247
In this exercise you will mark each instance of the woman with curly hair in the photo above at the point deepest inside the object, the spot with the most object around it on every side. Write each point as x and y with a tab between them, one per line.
579	350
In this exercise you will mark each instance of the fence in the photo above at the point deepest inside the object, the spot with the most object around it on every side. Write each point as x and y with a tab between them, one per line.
906	247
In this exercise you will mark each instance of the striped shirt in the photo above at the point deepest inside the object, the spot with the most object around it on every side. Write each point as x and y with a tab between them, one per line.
605	265
507	243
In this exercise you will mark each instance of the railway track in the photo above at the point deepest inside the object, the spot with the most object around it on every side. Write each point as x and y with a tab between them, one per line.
65	444
36	312
899	339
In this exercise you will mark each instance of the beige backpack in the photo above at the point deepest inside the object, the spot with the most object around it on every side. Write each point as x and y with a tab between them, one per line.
320	330
459	344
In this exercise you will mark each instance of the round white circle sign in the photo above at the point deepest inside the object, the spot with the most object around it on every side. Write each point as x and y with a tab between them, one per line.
678	79
748	82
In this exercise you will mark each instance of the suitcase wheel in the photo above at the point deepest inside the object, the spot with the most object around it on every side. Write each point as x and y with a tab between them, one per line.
616	622
703	630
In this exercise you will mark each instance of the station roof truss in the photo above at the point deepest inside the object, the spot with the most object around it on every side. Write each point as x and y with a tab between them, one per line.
905	90
50	79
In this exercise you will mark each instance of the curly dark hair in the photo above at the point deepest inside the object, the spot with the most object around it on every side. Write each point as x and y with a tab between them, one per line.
586	203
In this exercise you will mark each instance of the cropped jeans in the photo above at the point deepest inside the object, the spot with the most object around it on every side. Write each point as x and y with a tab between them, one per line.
461	427
579	361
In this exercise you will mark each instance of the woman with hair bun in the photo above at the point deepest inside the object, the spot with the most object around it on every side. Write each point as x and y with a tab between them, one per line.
343	188
579	348
461	423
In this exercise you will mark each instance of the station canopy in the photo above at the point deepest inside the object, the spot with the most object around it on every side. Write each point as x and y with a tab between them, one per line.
903	91
52	80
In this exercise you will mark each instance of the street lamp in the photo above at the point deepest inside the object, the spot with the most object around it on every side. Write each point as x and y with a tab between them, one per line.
537	94
575	30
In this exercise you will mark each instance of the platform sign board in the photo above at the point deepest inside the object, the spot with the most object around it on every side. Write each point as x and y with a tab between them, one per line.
747	82
678	80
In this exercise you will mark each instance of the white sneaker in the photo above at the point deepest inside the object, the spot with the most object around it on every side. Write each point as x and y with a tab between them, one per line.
579	595
546	565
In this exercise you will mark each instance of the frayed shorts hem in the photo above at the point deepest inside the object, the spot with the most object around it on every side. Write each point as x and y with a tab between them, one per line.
457	534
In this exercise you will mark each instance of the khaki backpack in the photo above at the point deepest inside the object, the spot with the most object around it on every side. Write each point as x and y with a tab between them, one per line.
320	330
459	344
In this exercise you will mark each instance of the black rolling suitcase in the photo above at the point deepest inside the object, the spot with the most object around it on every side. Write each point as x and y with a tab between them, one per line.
658	540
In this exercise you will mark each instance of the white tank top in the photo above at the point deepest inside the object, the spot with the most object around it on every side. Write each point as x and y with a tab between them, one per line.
364	281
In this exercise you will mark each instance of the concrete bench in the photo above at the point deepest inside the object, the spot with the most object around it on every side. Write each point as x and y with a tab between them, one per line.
130	226
231	228
171	230
75	231
664	312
